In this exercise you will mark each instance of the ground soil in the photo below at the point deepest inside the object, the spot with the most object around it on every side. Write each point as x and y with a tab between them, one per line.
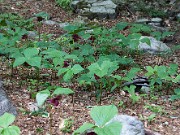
166	122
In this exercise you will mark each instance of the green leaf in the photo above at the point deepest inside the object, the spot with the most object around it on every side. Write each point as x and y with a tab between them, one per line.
6	119
68	75
77	69
83	128
102	114
132	73
30	52
61	91
113	128
121	25
58	61
86	50
62	70
11	130
94	68
34	62
151	117
117	77
174	97
177	96
173	69
70	28
104	69
19	61
177	79
42	96
150	71
43	15
146	40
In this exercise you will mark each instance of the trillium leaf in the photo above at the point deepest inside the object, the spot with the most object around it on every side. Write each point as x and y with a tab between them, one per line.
102	114
6	119
83	128
113	128
62	70
42	96
11	130
19	61
68	75
30	52
77	69
35	61
61	91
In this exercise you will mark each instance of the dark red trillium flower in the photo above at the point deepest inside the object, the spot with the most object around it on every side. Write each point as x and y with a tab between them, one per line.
76	37
39	18
92	38
25	36
96	77
66	64
91	133
54	101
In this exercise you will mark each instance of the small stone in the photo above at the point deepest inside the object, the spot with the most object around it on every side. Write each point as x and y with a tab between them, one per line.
62	25
31	34
178	16
155	24
166	123
49	22
33	107
143	20
156	20
154	47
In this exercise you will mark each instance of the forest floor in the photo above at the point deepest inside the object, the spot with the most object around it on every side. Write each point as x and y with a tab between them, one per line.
167	121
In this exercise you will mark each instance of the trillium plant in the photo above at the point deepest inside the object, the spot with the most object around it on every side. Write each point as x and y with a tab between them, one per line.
52	99
102	116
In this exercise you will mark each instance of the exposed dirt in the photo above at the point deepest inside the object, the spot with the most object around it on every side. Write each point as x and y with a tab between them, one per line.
166	123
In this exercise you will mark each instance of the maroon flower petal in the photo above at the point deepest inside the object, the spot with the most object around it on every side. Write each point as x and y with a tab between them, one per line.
76	37
92	38
96	77
66	64
54	101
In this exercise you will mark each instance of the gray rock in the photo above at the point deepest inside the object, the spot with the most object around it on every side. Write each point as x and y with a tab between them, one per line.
155	24
143	20
49	22
5	104
178	16
119	2
106	4
154	47
31	34
62	25
156	20
95	8
130	125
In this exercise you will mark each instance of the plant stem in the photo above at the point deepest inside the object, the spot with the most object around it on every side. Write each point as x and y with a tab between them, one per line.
100	92
50	120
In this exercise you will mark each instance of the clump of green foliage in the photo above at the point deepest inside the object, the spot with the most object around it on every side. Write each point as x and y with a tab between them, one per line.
64	3
102	115
5	125
95	58
17	20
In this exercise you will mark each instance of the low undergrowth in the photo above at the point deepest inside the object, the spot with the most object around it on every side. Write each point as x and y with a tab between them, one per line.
96	58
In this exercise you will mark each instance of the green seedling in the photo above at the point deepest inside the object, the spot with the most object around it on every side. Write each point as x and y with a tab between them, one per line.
5	125
101	115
